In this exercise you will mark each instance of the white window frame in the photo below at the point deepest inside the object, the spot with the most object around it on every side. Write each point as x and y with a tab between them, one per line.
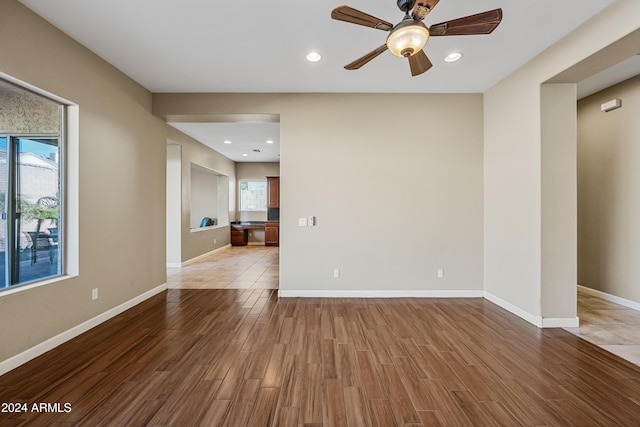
69	189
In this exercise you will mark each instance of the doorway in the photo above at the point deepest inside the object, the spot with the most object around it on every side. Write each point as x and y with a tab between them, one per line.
574	76
239	149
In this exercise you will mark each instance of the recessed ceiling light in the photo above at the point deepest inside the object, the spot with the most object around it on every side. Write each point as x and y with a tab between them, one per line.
453	57
245	155
314	57
269	142
227	142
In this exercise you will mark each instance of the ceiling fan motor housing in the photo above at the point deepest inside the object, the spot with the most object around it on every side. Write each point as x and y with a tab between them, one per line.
406	5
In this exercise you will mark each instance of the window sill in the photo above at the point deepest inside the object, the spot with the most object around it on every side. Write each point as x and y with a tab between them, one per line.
31	285
211	227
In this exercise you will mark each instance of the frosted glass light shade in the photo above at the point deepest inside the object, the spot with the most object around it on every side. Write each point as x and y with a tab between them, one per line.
408	39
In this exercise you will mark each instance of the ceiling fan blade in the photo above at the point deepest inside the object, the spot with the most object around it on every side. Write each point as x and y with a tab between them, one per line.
368	57
481	23
354	16
422	8
419	63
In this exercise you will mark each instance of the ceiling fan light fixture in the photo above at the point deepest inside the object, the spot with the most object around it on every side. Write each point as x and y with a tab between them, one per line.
408	38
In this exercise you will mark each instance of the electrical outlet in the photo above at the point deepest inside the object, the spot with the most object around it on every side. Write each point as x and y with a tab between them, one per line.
94	294
440	273
215	241
336	273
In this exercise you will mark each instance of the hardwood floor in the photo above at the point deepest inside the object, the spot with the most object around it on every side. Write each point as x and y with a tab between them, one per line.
199	357
608	325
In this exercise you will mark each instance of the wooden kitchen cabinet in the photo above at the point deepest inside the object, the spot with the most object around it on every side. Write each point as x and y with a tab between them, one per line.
272	234
273	186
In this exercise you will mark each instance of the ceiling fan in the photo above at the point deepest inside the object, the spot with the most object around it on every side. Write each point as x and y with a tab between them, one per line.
408	37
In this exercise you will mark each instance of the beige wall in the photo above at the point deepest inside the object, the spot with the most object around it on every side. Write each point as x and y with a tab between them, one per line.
200	242
174	205
397	193
515	166
217	106
119	173
609	192
204	196
248	170
558	210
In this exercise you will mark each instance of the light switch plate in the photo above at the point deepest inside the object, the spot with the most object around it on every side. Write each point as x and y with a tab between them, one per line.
302	222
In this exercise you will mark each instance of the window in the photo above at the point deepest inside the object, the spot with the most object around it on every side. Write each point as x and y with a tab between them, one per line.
30	186
253	196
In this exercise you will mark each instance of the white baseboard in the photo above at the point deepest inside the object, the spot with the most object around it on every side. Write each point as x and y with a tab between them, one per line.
43	347
611	298
199	257
560	322
378	294
535	320
539	321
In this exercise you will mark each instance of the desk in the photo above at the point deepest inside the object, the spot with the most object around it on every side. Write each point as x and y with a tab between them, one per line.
240	231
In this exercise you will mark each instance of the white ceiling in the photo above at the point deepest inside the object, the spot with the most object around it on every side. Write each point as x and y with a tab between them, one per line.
245	138
616	74
260	46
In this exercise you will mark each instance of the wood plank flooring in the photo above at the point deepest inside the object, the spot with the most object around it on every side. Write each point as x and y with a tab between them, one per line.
221	357
608	325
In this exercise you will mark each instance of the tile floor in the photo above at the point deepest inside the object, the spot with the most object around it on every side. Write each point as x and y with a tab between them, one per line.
236	267
613	327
